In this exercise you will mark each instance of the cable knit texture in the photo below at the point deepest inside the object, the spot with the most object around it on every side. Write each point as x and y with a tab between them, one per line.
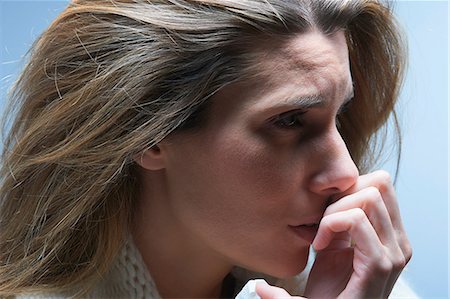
129	278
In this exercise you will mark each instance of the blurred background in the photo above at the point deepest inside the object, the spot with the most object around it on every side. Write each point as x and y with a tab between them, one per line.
422	184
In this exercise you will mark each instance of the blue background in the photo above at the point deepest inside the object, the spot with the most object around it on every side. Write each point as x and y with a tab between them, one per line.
422	184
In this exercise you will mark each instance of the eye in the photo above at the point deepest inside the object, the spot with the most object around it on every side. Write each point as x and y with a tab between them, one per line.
340	114
289	120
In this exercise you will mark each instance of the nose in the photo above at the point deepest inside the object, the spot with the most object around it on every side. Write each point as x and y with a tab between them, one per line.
336	171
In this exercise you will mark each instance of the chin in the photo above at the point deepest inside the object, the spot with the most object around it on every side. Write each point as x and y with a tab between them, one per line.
289	270
289	267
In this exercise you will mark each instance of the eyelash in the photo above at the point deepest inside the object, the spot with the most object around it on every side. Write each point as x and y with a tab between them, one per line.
340	113
292	120
289	120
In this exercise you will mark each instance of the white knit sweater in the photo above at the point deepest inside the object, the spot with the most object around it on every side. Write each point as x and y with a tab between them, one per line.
129	278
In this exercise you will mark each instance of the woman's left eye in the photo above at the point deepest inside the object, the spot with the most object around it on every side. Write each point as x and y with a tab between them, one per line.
289	120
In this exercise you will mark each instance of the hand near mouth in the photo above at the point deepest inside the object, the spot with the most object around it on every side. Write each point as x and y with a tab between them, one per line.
361	243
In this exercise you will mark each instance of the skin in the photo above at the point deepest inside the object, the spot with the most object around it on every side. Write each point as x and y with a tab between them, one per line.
362	245
269	157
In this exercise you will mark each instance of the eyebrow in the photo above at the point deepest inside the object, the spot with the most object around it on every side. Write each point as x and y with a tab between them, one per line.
306	102
311	101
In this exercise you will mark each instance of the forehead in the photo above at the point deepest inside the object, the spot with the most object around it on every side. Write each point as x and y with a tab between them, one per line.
308	50
311	59
309	64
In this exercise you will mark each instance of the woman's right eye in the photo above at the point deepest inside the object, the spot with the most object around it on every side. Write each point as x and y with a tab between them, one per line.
289	120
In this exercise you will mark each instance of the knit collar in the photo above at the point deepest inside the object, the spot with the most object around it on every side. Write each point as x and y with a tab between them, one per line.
130	278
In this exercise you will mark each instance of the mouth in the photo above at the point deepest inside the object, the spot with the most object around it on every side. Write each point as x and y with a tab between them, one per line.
306	232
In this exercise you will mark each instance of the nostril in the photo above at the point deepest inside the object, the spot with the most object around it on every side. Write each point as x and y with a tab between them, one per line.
337	194
333	190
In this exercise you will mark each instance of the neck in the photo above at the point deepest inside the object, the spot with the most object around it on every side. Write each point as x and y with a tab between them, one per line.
180	264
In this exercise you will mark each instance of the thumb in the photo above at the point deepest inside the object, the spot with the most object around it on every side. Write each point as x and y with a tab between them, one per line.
266	291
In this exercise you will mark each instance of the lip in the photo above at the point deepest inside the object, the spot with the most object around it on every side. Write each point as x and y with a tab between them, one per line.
306	232
314	219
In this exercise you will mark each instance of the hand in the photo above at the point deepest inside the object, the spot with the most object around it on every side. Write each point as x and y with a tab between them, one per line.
361	243
266	291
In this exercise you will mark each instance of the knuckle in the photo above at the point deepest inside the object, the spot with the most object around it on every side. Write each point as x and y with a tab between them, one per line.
405	246
399	263
358	215
373	194
407	252
384	179
373	197
384	266
384	176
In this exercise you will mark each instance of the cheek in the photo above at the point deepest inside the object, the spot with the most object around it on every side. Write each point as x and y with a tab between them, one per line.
254	168
231	176
258	173
235	193
250	212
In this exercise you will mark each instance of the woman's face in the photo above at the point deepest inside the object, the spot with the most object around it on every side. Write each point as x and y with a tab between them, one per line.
264	166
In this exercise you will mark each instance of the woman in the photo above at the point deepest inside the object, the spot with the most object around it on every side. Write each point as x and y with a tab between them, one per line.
180	148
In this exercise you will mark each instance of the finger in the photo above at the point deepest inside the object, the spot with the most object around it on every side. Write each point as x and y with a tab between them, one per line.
370	252
340	241
370	258
371	202
355	222
330	273
266	291
381	180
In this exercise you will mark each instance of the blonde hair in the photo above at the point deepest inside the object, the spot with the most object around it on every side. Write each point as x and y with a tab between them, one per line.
111	78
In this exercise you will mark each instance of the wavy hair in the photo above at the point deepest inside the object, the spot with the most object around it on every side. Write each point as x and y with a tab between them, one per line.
111	78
